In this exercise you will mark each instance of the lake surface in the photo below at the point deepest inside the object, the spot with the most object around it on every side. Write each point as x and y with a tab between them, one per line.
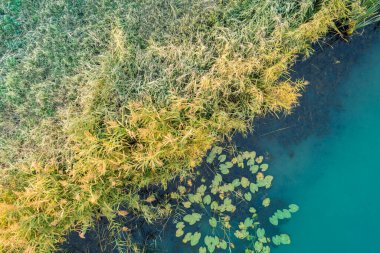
333	173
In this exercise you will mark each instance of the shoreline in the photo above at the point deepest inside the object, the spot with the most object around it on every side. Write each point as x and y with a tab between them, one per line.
311	117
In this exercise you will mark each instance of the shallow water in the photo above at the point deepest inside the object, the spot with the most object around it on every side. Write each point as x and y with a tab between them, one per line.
335	176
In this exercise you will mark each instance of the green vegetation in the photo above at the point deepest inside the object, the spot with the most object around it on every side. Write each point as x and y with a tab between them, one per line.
223	200
99	99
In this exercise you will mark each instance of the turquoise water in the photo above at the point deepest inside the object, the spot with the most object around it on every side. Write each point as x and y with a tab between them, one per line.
335	177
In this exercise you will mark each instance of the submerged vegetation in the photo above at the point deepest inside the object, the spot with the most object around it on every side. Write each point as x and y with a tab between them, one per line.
99	99
233	205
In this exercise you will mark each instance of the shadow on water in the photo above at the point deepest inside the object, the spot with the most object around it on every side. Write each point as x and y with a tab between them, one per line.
292	142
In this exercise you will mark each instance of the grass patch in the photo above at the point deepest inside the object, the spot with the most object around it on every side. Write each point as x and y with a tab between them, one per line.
99	99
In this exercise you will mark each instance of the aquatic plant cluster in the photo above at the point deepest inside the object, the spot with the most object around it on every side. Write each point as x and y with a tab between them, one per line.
99	99
222	201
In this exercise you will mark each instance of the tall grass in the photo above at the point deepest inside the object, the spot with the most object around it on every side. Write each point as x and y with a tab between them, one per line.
99	99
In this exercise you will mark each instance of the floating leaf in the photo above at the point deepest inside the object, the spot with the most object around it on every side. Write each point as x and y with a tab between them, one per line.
273	220
214	205
181	189
279	214
211	242
265	182
217	179
251	162
192	218
229	165
180	225
241	234
286	214
266	202
260	233
252	154
202	250
248	222
187	238
259	159
264	167
195	238
253	188
285	239
254	169
186	204
201	189
207	200
197	198
210	158
293	208
222	158
213	222
248	196
223	244
258	246
276	240
244	182
218	150
236	182
224	170
252	210
179	232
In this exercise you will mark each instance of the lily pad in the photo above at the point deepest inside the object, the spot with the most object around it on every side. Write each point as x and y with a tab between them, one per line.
264	167
251	162
207	200
223	244
273	220
181	189
285	239
254	169
211	242
222	158
248	196
244	182
187	237
213	222
180	225
266	202
259	159
253	188
192	218
260	233
236	182
179	232
201	189
195	238
293	208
